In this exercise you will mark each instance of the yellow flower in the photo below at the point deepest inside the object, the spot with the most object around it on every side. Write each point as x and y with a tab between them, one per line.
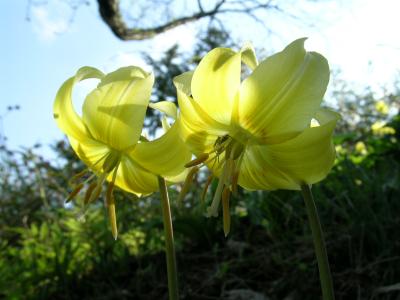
361	148
358	182
340	150
379	128
107	137
382	107
258	133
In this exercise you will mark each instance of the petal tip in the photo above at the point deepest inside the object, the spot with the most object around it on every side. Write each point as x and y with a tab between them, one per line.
298	43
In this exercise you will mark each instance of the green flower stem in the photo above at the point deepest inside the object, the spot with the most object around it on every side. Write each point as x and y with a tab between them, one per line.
319	244
169	241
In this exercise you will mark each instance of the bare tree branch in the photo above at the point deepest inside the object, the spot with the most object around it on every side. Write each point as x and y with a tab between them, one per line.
111	14
144	19
109	11
200	6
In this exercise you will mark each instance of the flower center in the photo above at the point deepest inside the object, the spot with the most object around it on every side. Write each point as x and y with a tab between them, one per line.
225	158
110	166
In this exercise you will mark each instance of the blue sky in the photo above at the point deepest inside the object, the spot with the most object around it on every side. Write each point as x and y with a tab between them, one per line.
360	37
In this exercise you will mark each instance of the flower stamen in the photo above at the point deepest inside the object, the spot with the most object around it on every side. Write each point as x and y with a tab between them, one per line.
187	184
205	189
212	211
89	192
78	176
233	152
76	190
197	161
98	188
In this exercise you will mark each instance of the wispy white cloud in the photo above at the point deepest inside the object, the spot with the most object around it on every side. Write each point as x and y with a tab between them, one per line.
184	36
46	26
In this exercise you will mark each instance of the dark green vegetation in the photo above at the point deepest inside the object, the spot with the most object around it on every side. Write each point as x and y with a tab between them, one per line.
51	251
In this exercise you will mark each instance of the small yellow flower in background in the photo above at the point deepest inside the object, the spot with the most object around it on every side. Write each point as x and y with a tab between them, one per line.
379	128
340	150
107	137
258	133
382	107
361	148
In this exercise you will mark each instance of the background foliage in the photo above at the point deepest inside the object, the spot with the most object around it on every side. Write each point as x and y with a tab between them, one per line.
49	250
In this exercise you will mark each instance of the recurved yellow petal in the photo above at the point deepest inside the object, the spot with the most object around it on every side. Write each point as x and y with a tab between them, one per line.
306	158
114	112
165	107
63	110
165	156
278	100
131	177
165	124
249	56
198	129
183	82
91	152
258	173
215	83
123	74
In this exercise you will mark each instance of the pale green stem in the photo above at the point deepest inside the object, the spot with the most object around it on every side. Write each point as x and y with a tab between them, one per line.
169	241
319	244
